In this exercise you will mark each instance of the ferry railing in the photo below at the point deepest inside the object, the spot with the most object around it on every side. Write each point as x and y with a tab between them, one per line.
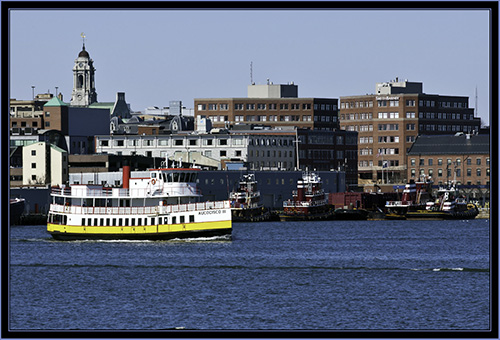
187	207
120	192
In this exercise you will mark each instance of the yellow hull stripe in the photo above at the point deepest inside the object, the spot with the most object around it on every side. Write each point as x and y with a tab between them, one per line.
149	229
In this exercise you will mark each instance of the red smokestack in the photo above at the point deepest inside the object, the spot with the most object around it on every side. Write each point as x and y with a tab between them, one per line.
126	176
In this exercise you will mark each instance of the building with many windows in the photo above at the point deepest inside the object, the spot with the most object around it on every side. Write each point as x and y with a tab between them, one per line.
264	149
329	150
463	159
271	105
389	121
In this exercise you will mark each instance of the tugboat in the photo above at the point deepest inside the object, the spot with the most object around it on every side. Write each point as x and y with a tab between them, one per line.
16	206
164	205
309	201
415	197
448	205
245	202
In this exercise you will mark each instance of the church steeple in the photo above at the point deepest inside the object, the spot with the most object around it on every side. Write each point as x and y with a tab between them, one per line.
83	79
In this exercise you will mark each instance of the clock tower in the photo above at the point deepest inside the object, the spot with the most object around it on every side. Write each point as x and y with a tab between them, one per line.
83	80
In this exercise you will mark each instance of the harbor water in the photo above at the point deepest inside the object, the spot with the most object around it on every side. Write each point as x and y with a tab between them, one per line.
334	275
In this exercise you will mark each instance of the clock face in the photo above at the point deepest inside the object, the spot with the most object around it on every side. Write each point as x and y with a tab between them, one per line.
81	64
79	96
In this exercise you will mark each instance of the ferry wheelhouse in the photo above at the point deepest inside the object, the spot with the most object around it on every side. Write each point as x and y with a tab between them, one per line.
162	206
309	201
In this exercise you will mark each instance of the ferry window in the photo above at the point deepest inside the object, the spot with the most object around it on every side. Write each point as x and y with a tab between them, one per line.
182	219
120	221
107	221
139	221
170	177
102	222
164	177
176	177
153	175
132	222
126	222
83	221
89	221
160	220
114	222
152	221
191	218
65	219
174	220
182	177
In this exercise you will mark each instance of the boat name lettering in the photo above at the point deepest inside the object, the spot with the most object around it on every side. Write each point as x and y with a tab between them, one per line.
211	212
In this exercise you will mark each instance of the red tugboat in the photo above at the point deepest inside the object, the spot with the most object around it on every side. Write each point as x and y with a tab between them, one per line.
245	202
309	201
415	197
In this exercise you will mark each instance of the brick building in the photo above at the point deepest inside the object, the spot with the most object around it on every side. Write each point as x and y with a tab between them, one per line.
389	121
270	105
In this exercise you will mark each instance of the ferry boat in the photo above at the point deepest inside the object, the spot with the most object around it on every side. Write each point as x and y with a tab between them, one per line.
245	201
309	201
415	197
448	205
164	205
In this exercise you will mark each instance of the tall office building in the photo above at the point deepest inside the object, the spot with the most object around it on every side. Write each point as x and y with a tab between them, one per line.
389	121
274	105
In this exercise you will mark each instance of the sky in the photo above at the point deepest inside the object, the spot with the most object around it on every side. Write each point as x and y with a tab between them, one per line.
157	56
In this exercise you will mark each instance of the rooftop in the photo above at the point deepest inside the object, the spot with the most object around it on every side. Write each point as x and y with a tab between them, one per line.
460	144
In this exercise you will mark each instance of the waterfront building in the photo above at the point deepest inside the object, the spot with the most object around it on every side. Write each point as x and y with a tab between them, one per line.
259	149
276	106
462	158
44	164
330	150
389	121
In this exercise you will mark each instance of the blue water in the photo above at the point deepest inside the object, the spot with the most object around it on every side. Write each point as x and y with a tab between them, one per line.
336	275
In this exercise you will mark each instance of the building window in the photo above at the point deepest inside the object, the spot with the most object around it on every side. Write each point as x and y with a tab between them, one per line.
212	107
478	172
478	161
33	165
202	107
33	152
47	124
